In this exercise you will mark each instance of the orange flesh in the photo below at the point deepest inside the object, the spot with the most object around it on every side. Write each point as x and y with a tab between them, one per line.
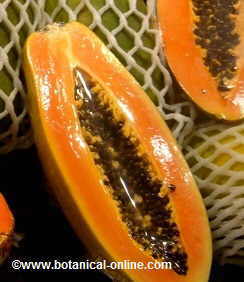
185	59
50	58
6	228
6	218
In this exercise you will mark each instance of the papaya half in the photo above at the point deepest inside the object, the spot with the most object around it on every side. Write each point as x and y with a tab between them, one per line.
113	163
6	229
203	42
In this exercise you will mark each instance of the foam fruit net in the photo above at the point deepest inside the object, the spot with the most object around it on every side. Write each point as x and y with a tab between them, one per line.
129	29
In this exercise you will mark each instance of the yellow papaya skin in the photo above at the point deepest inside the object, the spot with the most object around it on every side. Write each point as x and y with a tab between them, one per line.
56	62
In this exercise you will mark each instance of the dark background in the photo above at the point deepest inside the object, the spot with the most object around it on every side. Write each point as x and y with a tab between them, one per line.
47	234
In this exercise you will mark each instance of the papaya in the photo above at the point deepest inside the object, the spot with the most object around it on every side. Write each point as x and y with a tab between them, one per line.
203	43
124	39
111	160
6	229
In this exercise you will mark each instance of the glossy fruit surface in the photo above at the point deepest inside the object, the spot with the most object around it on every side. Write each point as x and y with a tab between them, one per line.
111	159
203	42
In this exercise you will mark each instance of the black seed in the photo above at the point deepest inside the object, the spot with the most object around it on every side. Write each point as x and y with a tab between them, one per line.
215	32
133	171
172	187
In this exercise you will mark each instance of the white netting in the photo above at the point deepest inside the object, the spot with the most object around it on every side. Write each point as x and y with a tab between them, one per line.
128	28
215	153
17	19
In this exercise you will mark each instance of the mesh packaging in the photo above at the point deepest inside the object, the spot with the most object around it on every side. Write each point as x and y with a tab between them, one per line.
129	29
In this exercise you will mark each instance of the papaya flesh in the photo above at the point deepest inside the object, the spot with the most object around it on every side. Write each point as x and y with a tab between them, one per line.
6	229
203	42
113	163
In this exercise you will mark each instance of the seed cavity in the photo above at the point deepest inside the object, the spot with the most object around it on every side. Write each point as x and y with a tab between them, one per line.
215	31
128	173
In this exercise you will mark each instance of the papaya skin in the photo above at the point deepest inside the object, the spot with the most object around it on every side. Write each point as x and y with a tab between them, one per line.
184	57
6	229
49	59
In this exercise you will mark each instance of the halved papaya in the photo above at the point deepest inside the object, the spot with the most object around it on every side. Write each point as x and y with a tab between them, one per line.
112	161
203	42
6	229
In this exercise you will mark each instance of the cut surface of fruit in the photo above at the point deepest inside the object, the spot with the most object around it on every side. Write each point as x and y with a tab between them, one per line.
203	42
111	159
6	229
